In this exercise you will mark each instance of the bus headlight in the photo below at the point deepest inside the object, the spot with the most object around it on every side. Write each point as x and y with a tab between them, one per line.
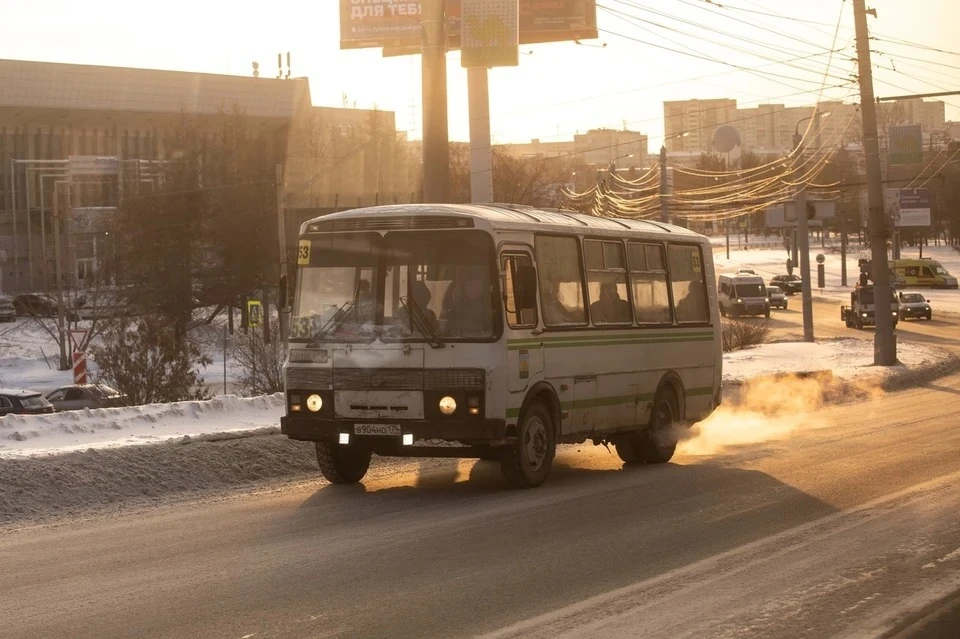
314	403
448	405
864	314
739	300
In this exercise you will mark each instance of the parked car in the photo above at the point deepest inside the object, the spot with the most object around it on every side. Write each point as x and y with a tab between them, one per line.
789	284
16	401
7	311
78	396
914	305
777	297
37	305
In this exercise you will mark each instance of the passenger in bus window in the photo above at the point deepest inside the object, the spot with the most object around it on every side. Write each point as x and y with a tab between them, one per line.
470	314
693	306
610	308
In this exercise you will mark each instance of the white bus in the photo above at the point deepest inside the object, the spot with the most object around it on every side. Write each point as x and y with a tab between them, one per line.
497	332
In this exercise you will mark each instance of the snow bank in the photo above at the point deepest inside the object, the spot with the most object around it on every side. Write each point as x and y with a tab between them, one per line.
111	427
844	356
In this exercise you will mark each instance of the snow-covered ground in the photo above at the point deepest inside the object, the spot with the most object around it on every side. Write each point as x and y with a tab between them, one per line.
771	261
844	357
78	430
29	357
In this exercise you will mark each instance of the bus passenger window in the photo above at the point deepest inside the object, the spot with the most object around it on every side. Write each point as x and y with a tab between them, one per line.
689	287
648	280
517	317
607	282
927	272
561	283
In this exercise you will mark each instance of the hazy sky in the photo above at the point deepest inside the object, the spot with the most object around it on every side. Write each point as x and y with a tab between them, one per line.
557	90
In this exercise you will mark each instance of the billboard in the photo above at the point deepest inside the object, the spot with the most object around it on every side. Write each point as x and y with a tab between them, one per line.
914	208
395	24
490	34
905	144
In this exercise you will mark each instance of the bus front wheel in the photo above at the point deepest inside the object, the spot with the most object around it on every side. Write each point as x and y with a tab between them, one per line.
526	462
343	464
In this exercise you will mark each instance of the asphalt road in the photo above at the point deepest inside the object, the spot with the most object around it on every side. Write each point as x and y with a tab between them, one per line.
840	522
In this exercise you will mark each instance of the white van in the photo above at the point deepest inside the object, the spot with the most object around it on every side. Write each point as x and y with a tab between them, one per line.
742	294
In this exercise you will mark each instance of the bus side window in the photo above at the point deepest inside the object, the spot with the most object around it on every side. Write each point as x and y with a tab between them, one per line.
648	280
927	272
689	287
561	281
524	316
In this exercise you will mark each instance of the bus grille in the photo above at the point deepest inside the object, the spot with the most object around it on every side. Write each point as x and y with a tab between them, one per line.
387	379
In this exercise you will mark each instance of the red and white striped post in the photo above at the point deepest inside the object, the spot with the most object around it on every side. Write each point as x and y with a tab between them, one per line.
79	368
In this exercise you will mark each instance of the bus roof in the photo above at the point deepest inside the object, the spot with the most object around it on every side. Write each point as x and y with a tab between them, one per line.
514	216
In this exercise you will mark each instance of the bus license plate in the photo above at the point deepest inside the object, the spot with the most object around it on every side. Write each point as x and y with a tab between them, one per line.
377	429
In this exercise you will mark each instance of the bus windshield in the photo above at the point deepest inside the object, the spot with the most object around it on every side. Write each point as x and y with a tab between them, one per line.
404	286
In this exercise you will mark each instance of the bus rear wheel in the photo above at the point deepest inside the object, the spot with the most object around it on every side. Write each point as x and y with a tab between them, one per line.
656	444
660	440
526	462
343	464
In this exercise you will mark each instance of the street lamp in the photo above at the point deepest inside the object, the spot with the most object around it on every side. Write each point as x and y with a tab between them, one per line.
803	234
664	205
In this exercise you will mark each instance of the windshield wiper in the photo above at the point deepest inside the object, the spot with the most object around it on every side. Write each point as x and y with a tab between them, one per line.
419	319
332	324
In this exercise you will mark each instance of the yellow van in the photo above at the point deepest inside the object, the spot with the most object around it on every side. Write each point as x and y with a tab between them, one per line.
923	272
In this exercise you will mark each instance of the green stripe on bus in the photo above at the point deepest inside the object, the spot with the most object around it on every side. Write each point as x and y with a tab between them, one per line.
594	336
614	400
617	341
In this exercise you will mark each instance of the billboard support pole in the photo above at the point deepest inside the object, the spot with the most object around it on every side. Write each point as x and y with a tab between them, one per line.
481	150
885	344
436	142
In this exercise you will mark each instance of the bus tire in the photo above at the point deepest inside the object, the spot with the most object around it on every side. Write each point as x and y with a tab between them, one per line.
526	462
659	442
343	464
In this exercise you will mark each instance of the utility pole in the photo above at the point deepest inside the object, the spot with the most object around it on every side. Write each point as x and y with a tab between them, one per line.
664	205
803	237
884	341
843	244
481	153
282	316
436	143
64	364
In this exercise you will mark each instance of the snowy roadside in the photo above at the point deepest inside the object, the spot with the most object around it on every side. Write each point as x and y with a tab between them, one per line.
37	435
110	460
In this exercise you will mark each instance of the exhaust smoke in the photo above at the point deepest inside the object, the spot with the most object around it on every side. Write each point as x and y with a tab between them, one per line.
772	408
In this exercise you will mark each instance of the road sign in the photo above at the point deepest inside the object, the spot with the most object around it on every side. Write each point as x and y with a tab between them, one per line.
254	313
906	144
77	336
785	215
820	258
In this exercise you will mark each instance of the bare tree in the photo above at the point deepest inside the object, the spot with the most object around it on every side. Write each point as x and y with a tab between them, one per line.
261	363
84	309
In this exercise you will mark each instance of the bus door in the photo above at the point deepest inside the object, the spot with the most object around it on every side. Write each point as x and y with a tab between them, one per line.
927	277
525	355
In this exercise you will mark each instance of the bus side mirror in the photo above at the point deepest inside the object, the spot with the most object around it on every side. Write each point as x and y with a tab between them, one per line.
284	296
526	289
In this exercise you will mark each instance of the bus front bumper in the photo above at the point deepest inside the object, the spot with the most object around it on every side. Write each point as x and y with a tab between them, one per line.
477	430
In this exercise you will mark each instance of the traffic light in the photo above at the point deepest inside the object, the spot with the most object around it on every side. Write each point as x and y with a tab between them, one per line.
865	271
811	210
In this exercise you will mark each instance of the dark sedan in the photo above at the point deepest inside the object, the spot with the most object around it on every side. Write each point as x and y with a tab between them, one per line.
789	284
15	401
79	396
35	305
